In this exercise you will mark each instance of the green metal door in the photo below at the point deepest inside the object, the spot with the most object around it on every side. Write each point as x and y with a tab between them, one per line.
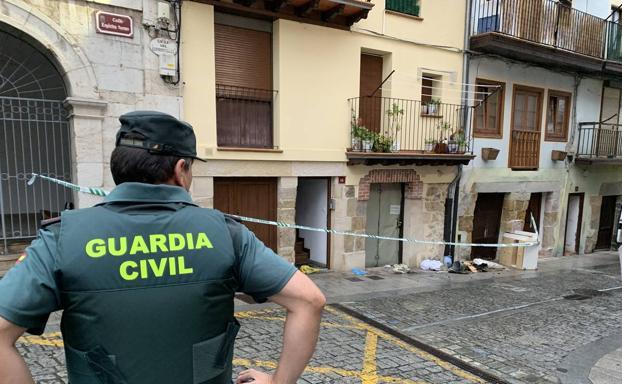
384	218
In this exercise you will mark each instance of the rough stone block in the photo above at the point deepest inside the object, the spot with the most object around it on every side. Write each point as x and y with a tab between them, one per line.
358	223
288	183
120	79
287	215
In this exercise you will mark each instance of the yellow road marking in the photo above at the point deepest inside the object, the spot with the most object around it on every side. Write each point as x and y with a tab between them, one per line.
369	374
425	355
342	372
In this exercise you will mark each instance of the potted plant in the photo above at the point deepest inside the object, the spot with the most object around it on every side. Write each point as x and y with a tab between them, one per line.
429	145
457	142
462	144
395	115
367	139
433	107
382	143
443	145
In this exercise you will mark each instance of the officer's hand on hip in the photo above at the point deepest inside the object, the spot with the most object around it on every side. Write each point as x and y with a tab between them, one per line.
255	377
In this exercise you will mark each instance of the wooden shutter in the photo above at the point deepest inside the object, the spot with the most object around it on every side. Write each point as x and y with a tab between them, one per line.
252	197
243	57
370	108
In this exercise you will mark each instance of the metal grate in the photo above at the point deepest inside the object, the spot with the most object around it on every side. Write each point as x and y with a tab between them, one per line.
34	137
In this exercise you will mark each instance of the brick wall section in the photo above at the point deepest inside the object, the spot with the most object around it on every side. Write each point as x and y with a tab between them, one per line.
414	186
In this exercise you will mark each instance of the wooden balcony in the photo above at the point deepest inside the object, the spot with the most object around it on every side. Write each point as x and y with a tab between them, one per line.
524	150
544	32
599	143
340	14
399	131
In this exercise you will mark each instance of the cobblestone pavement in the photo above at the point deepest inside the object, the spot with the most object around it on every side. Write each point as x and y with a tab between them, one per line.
349	351
517	329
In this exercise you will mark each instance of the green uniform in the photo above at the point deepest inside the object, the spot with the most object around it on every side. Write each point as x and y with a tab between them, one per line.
146	282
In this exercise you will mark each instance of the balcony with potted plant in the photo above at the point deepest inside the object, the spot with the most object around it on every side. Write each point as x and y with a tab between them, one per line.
394	131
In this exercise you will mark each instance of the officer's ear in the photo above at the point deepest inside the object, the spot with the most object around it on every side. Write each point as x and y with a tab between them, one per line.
183	174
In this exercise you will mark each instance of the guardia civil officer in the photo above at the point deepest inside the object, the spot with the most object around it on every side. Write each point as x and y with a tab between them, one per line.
146	279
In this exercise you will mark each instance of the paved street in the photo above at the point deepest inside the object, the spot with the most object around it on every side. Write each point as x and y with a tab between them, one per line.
560	324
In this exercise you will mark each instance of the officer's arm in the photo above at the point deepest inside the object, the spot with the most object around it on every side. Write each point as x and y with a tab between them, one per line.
12	365
304	302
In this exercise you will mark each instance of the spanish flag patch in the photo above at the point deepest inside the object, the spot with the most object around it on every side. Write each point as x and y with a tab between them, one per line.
21	258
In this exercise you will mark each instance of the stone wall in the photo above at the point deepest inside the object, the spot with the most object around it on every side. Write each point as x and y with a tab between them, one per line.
433	218
105	75
550	224
349	215
286	212
512	218
591	228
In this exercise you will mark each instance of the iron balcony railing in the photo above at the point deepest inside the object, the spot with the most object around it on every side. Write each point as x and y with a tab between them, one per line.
546	22
382	124
244	117
600	140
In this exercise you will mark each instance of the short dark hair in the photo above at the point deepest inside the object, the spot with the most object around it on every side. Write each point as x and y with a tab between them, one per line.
129	164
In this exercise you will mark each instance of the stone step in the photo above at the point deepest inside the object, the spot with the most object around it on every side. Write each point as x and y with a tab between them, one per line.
6	262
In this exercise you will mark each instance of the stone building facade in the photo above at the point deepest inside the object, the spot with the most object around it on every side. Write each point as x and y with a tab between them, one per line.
102	76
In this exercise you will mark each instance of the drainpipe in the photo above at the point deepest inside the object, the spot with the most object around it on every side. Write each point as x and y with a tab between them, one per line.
453	191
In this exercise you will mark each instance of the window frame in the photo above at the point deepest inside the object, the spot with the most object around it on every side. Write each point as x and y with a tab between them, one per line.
489	134
417	4
566	126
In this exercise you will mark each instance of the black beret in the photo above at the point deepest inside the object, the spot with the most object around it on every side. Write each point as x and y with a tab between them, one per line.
157	132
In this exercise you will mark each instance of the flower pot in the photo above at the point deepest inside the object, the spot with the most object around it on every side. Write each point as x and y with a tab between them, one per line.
432	109
452	147
367	145
558	155
424	109
490	153
441	148
356	144
429	147
395	147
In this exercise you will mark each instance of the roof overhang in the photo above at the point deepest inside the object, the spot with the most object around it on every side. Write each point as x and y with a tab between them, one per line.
330	13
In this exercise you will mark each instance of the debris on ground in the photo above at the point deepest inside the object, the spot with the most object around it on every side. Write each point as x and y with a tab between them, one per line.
431	265
398	268
307	269
358	272
489	264
458	267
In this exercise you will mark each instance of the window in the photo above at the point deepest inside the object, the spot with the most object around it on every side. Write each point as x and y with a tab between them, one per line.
430	94
488	120
557	116
408	7
427	90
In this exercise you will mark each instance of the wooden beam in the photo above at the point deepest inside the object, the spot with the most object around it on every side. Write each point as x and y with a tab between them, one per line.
306	9
355	18
333	12
246	3
275	5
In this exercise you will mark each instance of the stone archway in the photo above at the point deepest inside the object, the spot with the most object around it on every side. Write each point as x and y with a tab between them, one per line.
85	110
50	107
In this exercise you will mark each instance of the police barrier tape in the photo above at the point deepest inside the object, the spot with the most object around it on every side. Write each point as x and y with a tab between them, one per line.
102	193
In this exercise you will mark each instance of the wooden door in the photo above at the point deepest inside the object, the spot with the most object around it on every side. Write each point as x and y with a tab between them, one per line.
486	224
370	107
526	128
607	222
535	209
252	197
384	218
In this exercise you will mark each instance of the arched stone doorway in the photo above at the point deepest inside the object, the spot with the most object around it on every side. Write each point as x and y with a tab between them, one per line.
34	138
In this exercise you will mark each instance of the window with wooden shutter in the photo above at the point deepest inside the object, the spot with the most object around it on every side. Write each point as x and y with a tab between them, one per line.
244	95
557	116
488	120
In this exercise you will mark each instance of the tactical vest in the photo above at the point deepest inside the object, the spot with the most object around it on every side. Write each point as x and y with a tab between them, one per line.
146	298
